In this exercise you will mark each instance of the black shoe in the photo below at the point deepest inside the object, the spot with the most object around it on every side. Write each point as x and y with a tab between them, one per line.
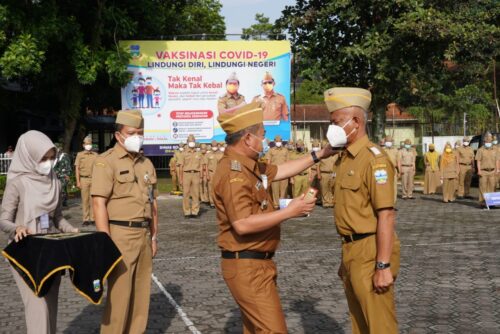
212	206
92	222
85	223
460	197
396	209
194	216
187	216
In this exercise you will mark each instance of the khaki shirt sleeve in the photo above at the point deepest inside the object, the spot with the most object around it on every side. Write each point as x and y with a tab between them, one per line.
77	159
236	195
155	182
271	171
284	109
221	105
380	183
479	155
102	178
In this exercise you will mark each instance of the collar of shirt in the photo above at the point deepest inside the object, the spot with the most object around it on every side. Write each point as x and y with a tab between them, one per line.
122	152
245	161
233	96
355	147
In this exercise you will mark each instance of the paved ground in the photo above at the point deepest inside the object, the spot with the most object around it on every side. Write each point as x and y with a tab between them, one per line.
449	280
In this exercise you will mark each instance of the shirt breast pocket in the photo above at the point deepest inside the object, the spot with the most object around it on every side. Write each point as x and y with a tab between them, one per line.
350	184
124	185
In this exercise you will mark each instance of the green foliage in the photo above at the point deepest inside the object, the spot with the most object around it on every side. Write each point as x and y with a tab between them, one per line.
259	31
3	182
311	92
22	57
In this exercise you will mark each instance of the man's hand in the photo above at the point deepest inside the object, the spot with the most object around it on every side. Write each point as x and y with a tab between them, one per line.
78	185
299	207
327	151
21	232
291	180
382	280
154	247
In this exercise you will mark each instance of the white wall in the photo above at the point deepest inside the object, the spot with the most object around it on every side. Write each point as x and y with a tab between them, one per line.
439	142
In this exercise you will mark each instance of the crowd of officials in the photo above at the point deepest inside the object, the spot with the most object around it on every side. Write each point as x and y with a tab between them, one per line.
243	180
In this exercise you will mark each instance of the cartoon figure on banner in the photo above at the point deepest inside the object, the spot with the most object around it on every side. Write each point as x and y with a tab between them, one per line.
141	89
232	98
272	102
135	95
149	92
157	97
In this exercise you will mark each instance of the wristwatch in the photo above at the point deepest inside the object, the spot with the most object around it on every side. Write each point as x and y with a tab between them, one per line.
154	238
315	157
382	265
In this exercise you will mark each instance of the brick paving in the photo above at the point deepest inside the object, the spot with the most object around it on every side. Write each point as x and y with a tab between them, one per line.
449	280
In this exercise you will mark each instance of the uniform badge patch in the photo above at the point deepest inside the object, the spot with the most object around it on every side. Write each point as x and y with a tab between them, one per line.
236	179
100	164
258	185
235	165
380	176
375	150
97	285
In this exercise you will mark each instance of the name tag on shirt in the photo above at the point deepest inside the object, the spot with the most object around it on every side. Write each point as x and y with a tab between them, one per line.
44	221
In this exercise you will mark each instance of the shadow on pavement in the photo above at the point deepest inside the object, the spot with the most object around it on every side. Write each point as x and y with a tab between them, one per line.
161	314
314	321
234	324
466	202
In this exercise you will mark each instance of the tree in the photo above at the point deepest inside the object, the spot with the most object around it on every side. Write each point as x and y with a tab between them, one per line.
262	30
411	52
63	49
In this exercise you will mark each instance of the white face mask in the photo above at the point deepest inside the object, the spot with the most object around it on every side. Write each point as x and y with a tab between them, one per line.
336	135
198	149
488	145
133	143
181	149
315	149
222	149
388	144
278	144
495	142
407	146
466	143
191	144
45	167
214	148
87	147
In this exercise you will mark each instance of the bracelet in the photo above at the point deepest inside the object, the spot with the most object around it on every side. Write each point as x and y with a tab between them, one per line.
315	157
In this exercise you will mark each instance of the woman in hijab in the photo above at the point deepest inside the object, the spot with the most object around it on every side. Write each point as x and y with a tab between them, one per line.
449	173
32	204
431	178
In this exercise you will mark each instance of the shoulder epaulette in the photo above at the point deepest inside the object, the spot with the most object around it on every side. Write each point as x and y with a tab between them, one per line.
375	150
235	165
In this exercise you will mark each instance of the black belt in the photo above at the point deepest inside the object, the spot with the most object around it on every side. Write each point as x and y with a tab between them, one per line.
247	255
488	169
191	171
407	165
465	164
302	174
143	224
87	177
354	237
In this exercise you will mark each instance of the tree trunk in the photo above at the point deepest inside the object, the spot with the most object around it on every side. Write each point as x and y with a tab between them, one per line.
378	124
70	101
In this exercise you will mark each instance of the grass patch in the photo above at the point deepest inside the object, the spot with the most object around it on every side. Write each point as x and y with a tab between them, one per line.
164	185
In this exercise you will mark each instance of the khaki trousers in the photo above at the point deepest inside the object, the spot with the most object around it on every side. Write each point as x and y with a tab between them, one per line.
449	189
326	187
211	188
40	312
129	284
407	176
300	185
370	313
204	197
191	188
253	286
486	184
175	181
178	172
279	191
88	214
464	180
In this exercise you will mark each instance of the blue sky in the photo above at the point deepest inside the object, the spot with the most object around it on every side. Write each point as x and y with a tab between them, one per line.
240	14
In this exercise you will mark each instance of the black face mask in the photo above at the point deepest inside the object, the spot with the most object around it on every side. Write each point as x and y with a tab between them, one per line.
300	149
431	150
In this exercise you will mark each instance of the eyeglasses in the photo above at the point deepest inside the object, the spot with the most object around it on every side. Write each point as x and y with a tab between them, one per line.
267	82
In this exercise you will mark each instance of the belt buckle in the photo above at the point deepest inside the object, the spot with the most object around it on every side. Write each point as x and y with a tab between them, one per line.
266	256
129	224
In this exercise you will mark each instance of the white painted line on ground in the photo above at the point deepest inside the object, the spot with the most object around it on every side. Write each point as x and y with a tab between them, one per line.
179	310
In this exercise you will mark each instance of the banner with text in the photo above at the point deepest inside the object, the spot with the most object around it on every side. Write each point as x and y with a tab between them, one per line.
181	86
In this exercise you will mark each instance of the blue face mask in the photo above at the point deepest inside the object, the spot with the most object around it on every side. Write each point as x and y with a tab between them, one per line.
407	146
265	147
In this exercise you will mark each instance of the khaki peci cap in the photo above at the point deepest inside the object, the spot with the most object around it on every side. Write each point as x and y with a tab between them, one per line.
388	138
267	77
407	141
315	143
300	142
241	118
467	139
277	138
131	118
488	136
191	138
87	140
343	97
432	146
324	143
232	78
214	143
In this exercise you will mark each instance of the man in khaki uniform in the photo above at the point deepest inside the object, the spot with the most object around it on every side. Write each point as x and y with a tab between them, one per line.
406	166
497	146
211	160
204	198
364	216
232	98
300	182
488	165
277	156
314	175
124	197
249	226
84	163
177	154
326	176
273	103
392	153
190	177
465	155
172	165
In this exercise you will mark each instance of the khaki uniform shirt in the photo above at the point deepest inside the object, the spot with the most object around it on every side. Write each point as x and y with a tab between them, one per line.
465	155
172	164
211	160
364	184
407	157
191	160
449	170
127	183
84	162
177	156
297	155
392	153
228	101
277	155
274	106
239	193
487	157
327	165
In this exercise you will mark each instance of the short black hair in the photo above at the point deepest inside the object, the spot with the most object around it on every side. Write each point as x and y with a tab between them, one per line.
234	138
